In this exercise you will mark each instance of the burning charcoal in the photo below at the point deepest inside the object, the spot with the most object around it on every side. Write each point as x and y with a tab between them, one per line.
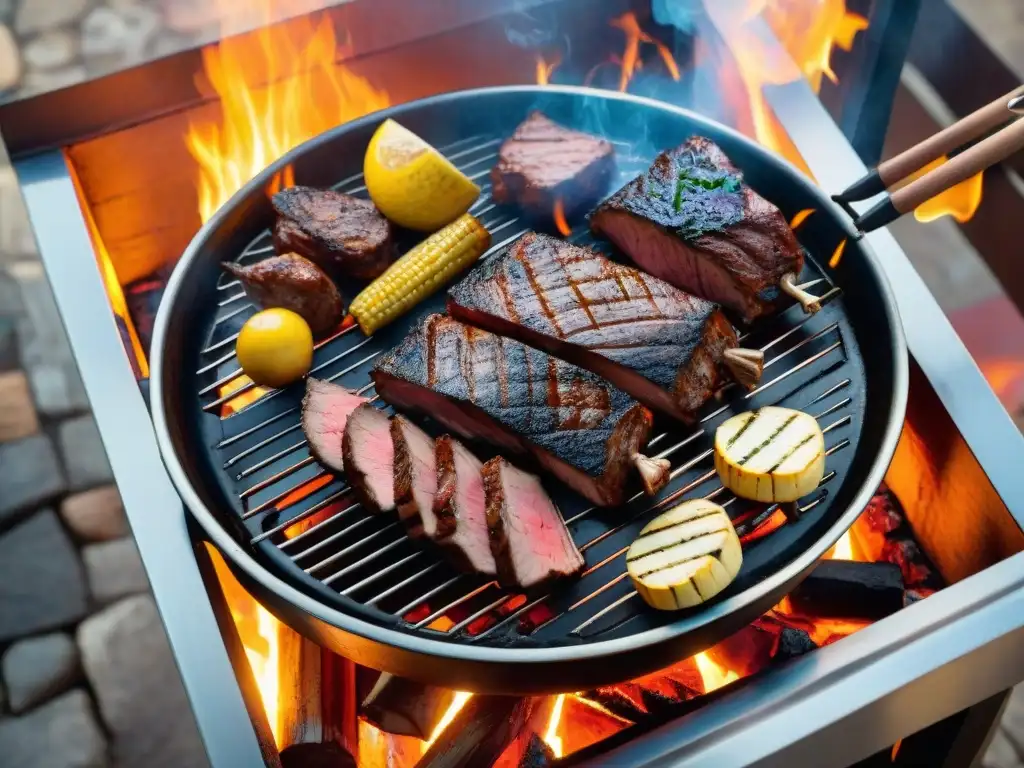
537	755
850	590
403	707
745	652
586	724
881	514
326	755
686	676
618	702
908	556
793	643
480	732
658	704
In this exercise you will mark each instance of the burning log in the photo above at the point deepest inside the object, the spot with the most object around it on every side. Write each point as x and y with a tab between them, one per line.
406	708
327	755
537	754
481	731
747	651
622	700
850	589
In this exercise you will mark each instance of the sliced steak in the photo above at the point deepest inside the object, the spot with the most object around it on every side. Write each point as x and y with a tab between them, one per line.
485	387
459	507
415	477
343	234
656	342
692	221
326	408
370	458
529	540
544	162
296	283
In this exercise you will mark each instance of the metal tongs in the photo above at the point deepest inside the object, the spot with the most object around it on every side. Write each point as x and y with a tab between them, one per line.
976	158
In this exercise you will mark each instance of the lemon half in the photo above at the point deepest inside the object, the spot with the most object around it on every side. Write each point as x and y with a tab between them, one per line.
412	183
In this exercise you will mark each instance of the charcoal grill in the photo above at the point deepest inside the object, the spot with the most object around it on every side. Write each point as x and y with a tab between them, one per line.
356	583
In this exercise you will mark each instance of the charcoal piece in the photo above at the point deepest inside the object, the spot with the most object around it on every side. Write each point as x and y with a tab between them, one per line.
850	590
613	699
881	514
793	643
481	731
537	755
911	561
404	707
657	704
747	651
326	755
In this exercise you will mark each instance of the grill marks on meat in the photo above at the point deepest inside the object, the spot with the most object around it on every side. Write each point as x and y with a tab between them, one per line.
485	387
543	162
295	283
661	345
339	232
415	477
692	221
370	458
326	409
459	507
530	542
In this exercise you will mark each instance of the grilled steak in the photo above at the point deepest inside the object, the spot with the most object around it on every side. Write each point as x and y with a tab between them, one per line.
459	507
659	344
341	233
295	283
544	162
529	540
415	477
326	408
482	386
370	458
693	222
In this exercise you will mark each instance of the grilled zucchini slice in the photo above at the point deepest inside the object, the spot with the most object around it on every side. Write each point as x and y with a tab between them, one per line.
771	454
685	556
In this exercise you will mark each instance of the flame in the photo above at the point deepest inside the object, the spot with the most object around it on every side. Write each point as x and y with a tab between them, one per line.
551	736
960	201
714	676
837	254
308	93
558	214
843	549
800	218
544	69
264	669
630	60
453	709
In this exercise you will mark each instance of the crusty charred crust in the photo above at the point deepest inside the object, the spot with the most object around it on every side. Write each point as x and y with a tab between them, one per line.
697	381
356	478
405	502
627	440
494	495
447	483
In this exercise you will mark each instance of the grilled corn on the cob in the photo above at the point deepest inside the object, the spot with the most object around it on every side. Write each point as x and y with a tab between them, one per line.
419	273
771	454
685	556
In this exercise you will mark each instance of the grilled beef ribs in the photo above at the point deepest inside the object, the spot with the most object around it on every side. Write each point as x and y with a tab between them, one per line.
543	162
659	344
295	283
415	477
529	540
485	387
370	458
326	408
692	221
459	507
343	234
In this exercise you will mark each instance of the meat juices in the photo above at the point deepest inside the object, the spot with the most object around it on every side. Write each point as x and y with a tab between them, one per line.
296	283
459	507
485	387
661	345
342	234
370	458
529	540
415	478
326	409
544	162
692	221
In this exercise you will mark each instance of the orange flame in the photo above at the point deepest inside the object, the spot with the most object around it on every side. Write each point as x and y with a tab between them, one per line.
453	709
544	69
800	217
551	737
960	201
714	676
837	254
631	53
843	549
558	214
236	404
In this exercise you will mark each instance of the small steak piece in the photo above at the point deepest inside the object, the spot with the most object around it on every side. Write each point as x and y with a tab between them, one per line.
415	477
661	345
295	283
326	408
370	458
459	507
485	387
341	233
692	221
529	540
545	162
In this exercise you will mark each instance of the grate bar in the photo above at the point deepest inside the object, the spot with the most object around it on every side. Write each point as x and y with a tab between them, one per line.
281	496
404	583
351	547
442	611
262	484
381	573
303	515
368	559
436	590
320	343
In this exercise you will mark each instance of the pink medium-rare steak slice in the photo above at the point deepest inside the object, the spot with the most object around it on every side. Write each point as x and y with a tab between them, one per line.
663	346
415	477
459	507
544	162
484	387
326	408
370	458
529	540
693	222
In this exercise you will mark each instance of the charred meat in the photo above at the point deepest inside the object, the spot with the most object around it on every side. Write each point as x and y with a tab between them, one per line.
692	221
485	387
326	409
341	233
661	345
296	283
529	540
544	162
415	477
370	458
459	507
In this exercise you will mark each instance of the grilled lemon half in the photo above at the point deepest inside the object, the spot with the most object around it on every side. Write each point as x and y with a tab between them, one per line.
685	556
771	454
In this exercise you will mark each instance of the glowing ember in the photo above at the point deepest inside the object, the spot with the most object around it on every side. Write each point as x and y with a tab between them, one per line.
961	201
713	675
558	214
258	123
551	736
453	709
630	61
843	549
236	404
800	217
837	254
544	69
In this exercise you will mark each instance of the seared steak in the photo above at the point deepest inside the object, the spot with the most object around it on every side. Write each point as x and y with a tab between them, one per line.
341	233
459	507
659	344
415	477
482	386
543	162
370	458
295	283
529	540
693	222
326	408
